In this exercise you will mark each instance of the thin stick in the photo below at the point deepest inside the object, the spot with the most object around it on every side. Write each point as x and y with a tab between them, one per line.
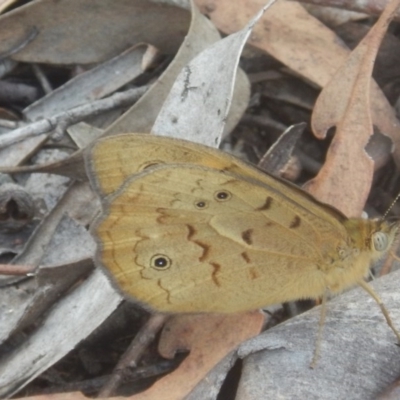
385	312
10	269
61	121
317	349
132	355
42	78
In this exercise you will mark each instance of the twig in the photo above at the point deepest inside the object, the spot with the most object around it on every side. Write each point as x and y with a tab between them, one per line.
42	78
16	270
132	355
94	384
6	123
62	120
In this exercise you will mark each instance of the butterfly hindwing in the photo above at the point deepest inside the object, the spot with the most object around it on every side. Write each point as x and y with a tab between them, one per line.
184	238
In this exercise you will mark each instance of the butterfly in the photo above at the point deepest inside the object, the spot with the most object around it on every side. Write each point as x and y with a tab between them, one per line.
186	229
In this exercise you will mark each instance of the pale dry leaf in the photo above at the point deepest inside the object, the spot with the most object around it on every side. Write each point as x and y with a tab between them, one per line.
36	249
141	116
204	88
17	153
80	312
91	85
83	134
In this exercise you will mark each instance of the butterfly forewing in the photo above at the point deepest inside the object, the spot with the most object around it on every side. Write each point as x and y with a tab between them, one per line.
115	159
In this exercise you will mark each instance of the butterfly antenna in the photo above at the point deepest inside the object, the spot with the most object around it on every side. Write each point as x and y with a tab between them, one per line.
391	206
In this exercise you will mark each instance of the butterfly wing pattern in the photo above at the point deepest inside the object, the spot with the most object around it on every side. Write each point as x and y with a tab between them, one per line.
186	228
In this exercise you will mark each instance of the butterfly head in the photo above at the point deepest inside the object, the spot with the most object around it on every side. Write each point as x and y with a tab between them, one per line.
374	236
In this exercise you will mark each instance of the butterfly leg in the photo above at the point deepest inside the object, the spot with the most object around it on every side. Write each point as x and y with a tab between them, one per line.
317	349
389	321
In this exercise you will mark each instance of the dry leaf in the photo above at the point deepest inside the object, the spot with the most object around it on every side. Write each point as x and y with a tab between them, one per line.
209	338
301	42
70	32
359	355
91	85
346	177
141	117
204	88
68	323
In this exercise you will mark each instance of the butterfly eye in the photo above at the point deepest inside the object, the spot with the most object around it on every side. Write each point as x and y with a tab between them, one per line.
201	204
160	261
222	195
380	241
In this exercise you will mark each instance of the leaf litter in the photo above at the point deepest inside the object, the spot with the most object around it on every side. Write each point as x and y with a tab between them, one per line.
289	34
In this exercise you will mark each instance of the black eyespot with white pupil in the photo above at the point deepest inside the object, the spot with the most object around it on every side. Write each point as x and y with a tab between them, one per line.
222	195
201	204
160	262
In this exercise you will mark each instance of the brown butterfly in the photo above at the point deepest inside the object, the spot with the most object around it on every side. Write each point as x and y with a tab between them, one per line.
187	228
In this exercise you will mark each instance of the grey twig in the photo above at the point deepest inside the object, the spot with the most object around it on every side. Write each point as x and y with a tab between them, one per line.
61	121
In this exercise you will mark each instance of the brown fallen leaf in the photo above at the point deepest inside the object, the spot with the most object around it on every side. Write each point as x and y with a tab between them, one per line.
297	39
62	396
346	177
209	338
371	7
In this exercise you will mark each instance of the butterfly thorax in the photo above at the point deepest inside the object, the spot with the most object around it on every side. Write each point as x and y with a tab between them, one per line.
367	242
